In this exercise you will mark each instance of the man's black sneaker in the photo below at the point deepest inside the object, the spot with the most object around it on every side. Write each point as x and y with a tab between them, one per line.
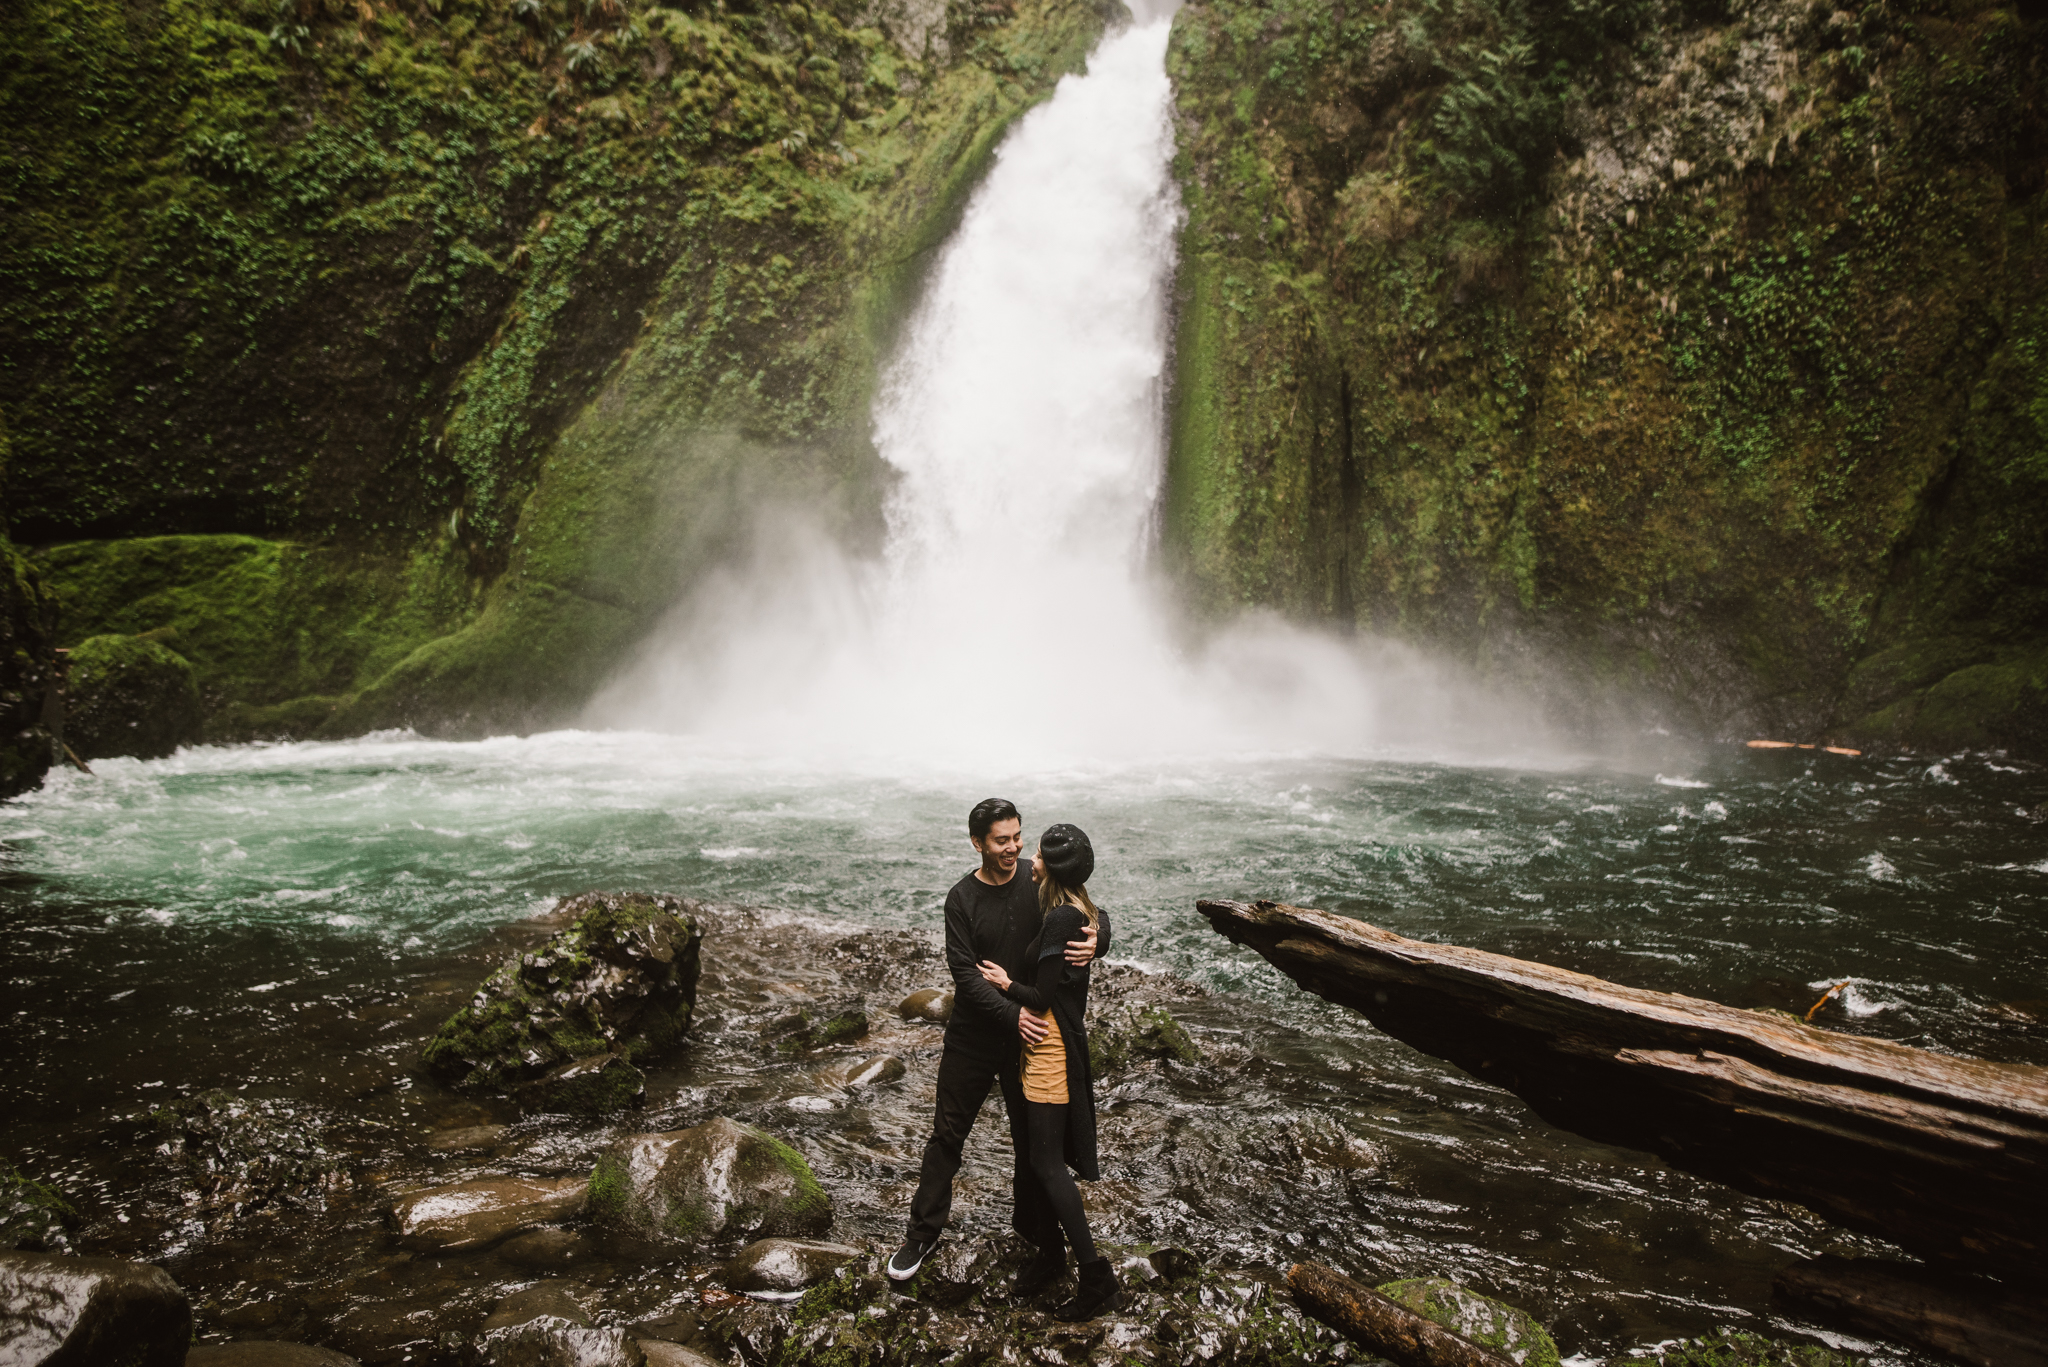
903	1266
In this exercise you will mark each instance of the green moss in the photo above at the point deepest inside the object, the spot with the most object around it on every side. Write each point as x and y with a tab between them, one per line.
1737	1348
129	695
611	1191
1485	1321
27	667
1157	1032
1458	361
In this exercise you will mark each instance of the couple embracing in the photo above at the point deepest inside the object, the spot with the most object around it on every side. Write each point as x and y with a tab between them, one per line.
1019	945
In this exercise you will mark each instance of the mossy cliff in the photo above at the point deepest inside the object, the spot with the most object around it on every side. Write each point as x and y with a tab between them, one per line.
408	357
1692	350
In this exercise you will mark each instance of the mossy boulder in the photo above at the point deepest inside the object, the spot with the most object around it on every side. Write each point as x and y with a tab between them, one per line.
1482	1319
1119	1038
592	1086
620	978
33	1215
719	1183
129	695
1737	1348
817	1025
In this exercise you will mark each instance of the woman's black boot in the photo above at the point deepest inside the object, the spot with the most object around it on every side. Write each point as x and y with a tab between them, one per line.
1098	1293
1045	1267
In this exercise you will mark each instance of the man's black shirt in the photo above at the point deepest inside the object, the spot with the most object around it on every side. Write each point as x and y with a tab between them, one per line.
987	922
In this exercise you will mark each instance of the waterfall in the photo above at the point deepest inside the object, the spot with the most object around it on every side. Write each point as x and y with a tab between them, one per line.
1012	618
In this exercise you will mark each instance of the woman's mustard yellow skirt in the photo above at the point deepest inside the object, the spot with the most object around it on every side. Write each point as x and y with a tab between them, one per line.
1045	1067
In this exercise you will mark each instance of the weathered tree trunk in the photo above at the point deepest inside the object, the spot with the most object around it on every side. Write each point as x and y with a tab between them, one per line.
1385	1326
1972	1322
1945	1156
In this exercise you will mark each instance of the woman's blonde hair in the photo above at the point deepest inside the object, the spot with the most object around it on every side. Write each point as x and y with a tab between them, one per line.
1052	892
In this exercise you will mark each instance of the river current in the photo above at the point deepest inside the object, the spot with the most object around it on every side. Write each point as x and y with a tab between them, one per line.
807	733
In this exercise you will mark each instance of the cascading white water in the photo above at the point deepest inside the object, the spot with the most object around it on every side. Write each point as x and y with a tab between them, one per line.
1011	619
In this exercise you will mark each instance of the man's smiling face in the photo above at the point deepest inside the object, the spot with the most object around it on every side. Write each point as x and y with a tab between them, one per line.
1001	846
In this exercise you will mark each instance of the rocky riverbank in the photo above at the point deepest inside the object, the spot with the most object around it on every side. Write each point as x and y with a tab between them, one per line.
393	1217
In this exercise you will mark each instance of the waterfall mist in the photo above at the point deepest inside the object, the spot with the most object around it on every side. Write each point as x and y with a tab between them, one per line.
1012	619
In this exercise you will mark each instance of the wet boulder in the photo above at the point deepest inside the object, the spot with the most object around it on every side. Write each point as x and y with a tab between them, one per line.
549	1249
784	1265
817	1025
243	1155
1487	1322
477	1214
620	978
1122	1036
33	1215
719	1182
929	1004
129	695
262	1353
592	1086
86	1311
861	1072
546	1326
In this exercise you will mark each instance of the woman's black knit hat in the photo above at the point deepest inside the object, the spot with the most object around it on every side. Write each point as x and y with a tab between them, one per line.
1066	854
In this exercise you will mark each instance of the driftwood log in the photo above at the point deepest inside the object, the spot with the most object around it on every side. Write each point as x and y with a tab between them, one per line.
1963	1318
1944	1156
1383	1325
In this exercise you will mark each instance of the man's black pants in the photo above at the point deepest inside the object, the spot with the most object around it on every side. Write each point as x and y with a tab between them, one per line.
965	1072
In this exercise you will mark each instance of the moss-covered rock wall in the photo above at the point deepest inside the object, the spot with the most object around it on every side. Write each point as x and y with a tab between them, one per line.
1686	350
408	356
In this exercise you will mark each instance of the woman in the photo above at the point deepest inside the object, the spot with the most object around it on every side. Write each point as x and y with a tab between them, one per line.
1059	1089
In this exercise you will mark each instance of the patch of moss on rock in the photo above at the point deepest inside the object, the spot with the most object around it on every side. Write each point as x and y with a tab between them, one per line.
721	1182
1739	1348
27	667
620	978
1655	350
129	695
1482	1319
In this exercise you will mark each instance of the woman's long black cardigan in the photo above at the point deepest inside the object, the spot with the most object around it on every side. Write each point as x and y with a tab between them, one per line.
1068	988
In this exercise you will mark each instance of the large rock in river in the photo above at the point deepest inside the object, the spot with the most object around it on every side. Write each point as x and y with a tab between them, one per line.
1487	1322
129	695
475	1214
720	1182
620	979
90	1312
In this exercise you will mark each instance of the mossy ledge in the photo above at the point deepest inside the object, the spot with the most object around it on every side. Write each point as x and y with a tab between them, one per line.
1693	351
410	358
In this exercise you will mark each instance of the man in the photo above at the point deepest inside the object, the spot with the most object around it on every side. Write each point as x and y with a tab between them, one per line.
992	913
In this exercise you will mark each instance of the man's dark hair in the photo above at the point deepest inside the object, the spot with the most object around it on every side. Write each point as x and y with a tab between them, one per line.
987	813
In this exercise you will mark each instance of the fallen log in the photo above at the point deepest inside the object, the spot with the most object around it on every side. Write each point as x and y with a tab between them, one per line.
1968	1320
1383	1325
1944	1156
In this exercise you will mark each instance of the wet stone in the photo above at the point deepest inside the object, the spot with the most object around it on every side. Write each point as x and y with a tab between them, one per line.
817	1025
554	1300
468	1139
1138	1031
245	1155
549	1250
262	1353
928	1004
476	1214
718	1182
620	979
1482	1319
90	1310
861	1072
957	1269
592	1086
784	1265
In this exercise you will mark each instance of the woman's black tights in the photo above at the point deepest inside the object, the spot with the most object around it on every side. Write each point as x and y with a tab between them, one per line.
1048	1124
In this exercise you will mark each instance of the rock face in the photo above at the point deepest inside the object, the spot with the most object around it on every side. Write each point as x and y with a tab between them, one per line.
620	979
1549	332
784	1265
90	1312
720	1182
1487	1322
476	1214
32	1214
128	695
245	1155
28	619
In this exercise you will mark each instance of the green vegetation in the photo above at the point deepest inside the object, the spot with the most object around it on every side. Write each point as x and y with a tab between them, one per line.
1487	1322
409	357
129	695
28	616
1736	1348
1697	348
33	1215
